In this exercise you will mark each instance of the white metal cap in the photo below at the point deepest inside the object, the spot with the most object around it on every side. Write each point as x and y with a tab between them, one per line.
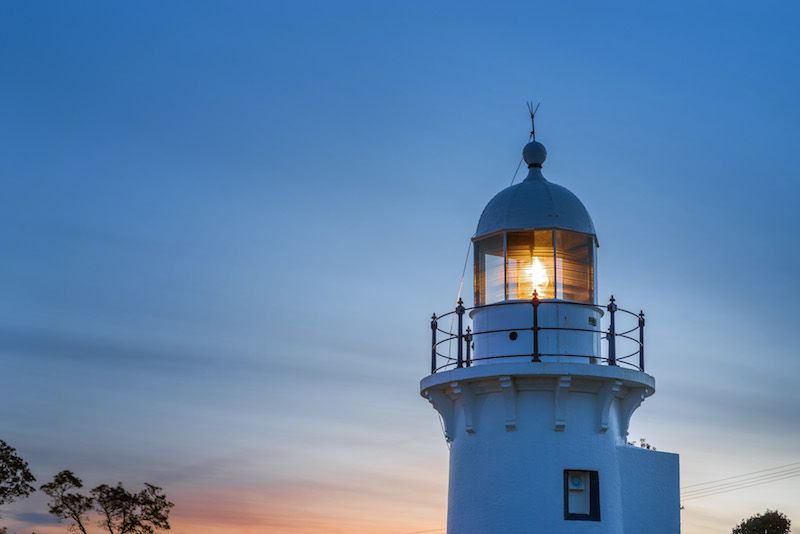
535	203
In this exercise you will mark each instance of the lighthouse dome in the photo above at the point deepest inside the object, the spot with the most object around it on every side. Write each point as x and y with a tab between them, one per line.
535	203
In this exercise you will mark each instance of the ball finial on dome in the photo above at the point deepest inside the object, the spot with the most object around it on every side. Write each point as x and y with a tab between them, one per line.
534	154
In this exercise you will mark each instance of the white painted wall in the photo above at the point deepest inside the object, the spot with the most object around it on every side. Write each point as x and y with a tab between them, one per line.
651	490
519	318
516	427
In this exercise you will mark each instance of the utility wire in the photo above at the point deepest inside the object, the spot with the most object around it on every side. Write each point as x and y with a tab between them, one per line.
464	270
748	479
520	162
739	476
515	172
741	485
795	471
697	496
460	286
737	482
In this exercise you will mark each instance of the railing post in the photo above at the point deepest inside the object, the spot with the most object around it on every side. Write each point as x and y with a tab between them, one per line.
460	312
468	338
612	335
535	304
641	340
434	326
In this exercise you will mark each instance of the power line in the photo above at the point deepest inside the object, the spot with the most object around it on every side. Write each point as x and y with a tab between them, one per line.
743	481
734	488
740	487
460	287
758	478
739	476
515	172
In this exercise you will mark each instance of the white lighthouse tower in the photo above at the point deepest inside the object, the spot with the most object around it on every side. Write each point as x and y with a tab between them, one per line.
537	393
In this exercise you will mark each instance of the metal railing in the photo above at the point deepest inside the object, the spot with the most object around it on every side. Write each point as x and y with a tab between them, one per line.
464	337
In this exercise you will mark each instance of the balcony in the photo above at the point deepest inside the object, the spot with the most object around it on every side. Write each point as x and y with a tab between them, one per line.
539	331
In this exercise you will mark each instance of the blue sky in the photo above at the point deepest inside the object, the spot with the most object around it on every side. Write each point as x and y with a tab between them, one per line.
225	226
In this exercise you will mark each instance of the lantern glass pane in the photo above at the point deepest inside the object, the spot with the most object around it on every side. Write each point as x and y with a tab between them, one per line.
575	267
530	264
489	275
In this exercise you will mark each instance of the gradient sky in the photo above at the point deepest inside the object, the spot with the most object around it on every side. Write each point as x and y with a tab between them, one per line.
224	227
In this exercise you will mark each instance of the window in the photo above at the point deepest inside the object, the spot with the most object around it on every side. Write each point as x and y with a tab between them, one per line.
530	264
557	264
575	267
490	279
581	495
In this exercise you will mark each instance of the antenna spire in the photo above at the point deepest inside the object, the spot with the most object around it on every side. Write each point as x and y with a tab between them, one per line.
533	111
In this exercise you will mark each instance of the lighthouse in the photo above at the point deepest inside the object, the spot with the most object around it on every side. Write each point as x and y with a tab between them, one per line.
537	382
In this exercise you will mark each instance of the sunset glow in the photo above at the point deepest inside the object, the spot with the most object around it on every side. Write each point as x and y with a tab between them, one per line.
225	228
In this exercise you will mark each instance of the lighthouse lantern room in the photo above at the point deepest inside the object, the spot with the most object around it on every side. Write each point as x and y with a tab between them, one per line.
536	394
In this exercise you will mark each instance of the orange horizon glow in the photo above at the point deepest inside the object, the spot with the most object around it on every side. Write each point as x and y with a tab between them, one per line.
295	508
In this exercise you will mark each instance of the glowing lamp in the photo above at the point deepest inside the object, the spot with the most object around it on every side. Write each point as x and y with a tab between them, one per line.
534	277
511	264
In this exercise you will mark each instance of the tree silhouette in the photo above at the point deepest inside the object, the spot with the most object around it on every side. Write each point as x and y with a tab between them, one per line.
15	477
120	511
66	505
123	512
770	522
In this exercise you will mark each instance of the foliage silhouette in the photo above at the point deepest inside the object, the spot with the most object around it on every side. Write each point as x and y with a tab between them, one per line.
66	505
120	511
770	522
643	444
15	477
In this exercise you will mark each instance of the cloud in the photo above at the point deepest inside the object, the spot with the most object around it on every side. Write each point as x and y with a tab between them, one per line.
32	519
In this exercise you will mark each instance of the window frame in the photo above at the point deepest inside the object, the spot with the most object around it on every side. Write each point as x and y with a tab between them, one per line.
594	497
558	290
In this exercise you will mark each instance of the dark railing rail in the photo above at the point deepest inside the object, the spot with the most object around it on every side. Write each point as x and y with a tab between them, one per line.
434	328
535	306
464	338
612	333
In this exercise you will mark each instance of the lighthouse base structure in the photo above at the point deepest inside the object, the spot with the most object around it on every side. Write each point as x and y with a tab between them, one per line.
541	447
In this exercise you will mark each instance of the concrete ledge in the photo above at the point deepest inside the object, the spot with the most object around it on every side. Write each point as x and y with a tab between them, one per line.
629	377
